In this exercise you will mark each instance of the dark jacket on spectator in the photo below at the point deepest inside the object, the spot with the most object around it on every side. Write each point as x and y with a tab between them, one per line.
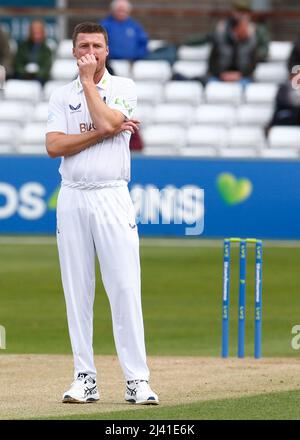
5	54
228	54
28	52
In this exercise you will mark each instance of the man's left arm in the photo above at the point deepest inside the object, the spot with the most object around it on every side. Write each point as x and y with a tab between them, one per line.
106	119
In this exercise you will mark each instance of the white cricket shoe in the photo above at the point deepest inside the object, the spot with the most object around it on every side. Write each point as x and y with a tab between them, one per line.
139	391
83	390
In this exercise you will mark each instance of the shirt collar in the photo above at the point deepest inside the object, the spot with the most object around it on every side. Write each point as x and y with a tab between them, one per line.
102	84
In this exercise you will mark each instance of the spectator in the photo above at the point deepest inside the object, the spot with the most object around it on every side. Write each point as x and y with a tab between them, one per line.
287	101
5	53
127	38
239	9
33	59
233	55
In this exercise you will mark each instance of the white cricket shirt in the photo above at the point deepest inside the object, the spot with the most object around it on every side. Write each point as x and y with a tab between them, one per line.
108	160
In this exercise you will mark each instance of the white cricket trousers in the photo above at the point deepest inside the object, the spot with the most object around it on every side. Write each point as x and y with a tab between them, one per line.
101	222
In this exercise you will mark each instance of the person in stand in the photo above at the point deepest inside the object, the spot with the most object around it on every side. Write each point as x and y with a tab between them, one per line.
5	56
127	38
33	59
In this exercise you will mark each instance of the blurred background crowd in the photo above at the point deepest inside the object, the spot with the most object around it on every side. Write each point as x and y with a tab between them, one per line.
229	86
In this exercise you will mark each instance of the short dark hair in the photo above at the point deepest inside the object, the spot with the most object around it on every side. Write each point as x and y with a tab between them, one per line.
88	27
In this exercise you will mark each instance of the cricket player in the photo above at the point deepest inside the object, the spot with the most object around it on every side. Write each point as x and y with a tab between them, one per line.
89	126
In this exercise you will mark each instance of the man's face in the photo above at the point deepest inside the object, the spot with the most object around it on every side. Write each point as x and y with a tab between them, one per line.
92	44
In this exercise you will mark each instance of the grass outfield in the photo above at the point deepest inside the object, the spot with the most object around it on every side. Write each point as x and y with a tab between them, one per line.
261	407
181	300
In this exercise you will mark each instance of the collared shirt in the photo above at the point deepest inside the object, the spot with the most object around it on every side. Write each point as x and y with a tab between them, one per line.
108	160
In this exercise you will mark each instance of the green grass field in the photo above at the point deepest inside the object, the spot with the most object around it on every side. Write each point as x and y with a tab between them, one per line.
182	287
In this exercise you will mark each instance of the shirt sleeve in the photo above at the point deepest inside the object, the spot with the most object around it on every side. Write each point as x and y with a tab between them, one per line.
57	120
124	97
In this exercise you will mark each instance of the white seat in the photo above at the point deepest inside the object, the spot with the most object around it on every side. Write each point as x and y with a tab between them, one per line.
183	91
262	93
64	70
251	114
271	72
198	151
178	114
206	136
33	134
150	92
27	90
9	132
164	135
121	67
190	69
6	149
194	53
246	137
143	113
15	111
155	44
279	50
284	137
32	149
65	49
159	151
238	152
159	70
280	153
215	114
40	112
217	92
50	86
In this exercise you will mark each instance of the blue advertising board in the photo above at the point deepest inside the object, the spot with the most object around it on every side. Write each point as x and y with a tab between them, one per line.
172	196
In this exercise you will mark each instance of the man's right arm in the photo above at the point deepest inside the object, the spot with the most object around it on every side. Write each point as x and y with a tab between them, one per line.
60	144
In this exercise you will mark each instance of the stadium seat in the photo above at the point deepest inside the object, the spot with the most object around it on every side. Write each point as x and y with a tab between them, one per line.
164	135
50	86
194	53
238	153
9	132
217	92
40	112
6	149
65	49
251	114
246	137
143	113
190	69
280	153
64	70
144	70
198	151
121	67
149	92
262	93
271	72
27	90
279	50
284	137
190	92
206	136
32	139
15	111
155	44
224	115
32	149
169	113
